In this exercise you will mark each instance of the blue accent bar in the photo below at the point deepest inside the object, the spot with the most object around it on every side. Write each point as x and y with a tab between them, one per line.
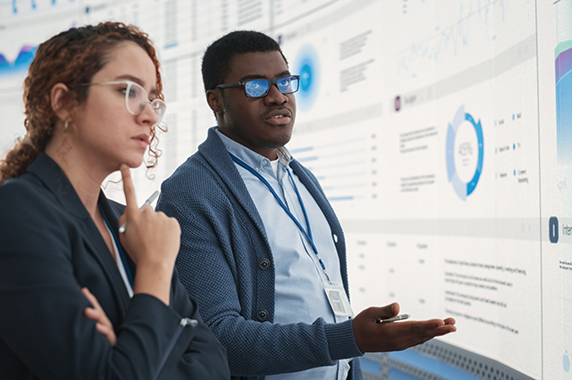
431	365
346	198
306	159
395	374
304	149
370	365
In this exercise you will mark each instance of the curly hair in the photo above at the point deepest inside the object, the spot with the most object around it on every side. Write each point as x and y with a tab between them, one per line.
72	57
217	57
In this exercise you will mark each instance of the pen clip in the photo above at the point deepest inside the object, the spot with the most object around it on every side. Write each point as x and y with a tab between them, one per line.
146	203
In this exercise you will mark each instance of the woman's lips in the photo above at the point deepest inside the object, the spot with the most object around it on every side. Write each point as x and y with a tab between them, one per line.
142	140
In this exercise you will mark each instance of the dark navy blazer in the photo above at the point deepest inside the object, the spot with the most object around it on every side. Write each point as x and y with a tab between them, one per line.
49	249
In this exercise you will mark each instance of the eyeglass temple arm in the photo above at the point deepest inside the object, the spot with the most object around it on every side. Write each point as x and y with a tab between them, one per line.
227	85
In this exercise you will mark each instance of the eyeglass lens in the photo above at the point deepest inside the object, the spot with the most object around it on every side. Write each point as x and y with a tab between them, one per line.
260	87
136	99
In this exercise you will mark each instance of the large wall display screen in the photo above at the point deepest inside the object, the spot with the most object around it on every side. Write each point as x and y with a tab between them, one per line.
441	132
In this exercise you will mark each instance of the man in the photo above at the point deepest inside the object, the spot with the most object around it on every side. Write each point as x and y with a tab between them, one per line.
262	251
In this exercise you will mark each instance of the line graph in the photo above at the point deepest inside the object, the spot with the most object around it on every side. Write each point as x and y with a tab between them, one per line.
474	22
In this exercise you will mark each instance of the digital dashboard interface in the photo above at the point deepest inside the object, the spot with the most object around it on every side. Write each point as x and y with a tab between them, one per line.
441	132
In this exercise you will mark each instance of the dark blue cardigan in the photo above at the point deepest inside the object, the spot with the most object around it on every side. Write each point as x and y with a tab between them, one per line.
226	264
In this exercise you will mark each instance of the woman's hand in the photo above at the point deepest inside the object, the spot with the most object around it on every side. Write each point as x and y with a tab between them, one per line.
152	240
102	323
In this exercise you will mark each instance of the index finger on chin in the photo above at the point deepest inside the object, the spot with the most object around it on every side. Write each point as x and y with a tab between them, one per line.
128	189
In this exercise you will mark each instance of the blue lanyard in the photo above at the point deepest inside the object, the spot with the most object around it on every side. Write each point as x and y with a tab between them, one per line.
286	209
119	248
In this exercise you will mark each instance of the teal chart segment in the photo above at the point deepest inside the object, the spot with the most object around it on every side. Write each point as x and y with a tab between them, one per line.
463	189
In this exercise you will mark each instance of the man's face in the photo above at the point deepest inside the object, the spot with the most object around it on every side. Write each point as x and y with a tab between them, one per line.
260	124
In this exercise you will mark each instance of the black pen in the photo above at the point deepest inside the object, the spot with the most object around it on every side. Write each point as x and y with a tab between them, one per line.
147	203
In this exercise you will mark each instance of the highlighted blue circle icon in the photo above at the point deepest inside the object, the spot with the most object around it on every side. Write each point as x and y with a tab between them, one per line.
463	189
306	77
306	65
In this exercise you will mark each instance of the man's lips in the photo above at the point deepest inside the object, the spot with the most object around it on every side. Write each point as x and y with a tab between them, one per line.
280	116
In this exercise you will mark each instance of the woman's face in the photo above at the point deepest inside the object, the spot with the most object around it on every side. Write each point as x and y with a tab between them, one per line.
106	134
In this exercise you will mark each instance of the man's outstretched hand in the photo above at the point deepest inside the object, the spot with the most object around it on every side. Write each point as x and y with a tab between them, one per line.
395	336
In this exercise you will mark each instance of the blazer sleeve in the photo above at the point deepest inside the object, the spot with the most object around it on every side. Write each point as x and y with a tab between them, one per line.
202	355
42	320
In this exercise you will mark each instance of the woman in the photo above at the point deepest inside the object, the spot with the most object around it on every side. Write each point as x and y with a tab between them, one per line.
93	100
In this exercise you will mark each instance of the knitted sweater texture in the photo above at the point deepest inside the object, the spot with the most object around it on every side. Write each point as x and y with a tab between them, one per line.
226	264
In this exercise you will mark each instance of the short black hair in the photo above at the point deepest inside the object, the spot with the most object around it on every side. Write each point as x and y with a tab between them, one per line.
217	57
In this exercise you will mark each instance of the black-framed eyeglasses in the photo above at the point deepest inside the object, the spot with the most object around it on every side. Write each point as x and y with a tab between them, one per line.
136	98
259	88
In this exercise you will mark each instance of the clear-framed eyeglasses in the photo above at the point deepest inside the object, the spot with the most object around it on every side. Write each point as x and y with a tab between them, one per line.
259	88
136	98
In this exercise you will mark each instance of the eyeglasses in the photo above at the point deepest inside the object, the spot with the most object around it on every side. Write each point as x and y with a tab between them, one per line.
136	98
259	88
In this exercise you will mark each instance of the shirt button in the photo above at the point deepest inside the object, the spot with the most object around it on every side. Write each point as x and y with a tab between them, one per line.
264	264
262	315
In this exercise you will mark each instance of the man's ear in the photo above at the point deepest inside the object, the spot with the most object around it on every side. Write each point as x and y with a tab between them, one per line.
214	99
60	101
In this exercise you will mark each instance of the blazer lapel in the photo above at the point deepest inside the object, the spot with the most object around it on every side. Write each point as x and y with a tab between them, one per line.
113	214
56	181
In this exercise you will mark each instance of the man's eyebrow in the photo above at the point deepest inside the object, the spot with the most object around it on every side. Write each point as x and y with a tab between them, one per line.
258	76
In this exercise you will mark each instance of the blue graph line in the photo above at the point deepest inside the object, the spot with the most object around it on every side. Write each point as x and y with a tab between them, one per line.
453	36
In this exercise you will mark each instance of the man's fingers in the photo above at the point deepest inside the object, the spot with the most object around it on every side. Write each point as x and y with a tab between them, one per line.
388	311
450	321
128	189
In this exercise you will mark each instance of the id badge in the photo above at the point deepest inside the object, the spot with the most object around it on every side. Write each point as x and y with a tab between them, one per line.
338	300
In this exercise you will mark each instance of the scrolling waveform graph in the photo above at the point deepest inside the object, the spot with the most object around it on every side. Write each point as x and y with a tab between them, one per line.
22	61
452	37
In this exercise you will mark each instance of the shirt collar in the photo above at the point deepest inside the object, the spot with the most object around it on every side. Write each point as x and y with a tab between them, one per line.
257	161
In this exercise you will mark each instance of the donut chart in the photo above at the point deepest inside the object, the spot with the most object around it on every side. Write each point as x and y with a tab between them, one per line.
463	189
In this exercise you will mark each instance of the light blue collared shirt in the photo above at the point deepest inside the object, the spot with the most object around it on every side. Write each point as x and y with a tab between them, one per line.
299	287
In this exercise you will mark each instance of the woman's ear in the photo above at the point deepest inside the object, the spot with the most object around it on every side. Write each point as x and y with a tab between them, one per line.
60	101
214	100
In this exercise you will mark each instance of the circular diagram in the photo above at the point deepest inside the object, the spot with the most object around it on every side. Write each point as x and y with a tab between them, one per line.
307	65
463	188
